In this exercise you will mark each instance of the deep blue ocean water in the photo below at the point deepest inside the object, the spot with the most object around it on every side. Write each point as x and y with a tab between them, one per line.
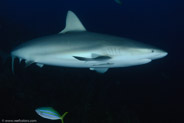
151	93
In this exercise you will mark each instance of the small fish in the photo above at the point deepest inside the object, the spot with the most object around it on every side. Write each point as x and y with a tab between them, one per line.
50	113
118	1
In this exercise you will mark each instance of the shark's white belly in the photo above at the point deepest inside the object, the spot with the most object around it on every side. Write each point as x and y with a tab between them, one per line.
67	60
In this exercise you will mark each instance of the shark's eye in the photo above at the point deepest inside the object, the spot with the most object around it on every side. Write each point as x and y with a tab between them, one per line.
152	51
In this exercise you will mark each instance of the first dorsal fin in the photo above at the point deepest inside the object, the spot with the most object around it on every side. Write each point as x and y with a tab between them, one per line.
72	23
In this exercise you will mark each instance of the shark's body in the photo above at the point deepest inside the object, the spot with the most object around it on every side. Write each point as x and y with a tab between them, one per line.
76	47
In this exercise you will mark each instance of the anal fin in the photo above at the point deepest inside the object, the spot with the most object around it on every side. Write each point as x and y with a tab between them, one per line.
40	65
28	63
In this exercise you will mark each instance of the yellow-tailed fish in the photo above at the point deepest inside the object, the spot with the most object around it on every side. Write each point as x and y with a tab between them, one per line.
50	113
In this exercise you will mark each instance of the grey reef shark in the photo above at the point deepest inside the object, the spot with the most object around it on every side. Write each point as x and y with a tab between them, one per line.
76	47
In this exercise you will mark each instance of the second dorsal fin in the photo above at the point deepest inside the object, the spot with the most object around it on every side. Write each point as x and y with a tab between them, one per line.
72	23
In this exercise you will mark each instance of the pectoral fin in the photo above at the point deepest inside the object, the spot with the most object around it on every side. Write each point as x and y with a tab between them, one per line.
98	58
100	70
81	58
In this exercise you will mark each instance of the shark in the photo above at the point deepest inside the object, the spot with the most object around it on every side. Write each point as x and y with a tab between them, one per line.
76	47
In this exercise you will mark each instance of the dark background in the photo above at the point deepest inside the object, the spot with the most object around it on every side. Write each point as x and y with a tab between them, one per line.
151	93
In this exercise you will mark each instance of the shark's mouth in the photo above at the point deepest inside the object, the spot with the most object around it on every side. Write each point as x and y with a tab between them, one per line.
144	61
147	60
160	55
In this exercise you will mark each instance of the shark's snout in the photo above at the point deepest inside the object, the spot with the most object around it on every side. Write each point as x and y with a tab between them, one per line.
163	54
159	54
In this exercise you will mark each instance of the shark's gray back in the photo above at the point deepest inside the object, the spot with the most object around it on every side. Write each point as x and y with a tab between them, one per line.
82	39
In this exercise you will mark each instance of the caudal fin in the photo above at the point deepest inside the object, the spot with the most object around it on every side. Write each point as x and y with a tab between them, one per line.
4	56
62	117
12	64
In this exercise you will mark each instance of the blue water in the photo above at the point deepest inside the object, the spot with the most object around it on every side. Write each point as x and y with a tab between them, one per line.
151	93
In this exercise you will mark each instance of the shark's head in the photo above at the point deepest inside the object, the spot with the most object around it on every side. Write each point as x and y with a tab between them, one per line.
135	53
142	50
149	53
